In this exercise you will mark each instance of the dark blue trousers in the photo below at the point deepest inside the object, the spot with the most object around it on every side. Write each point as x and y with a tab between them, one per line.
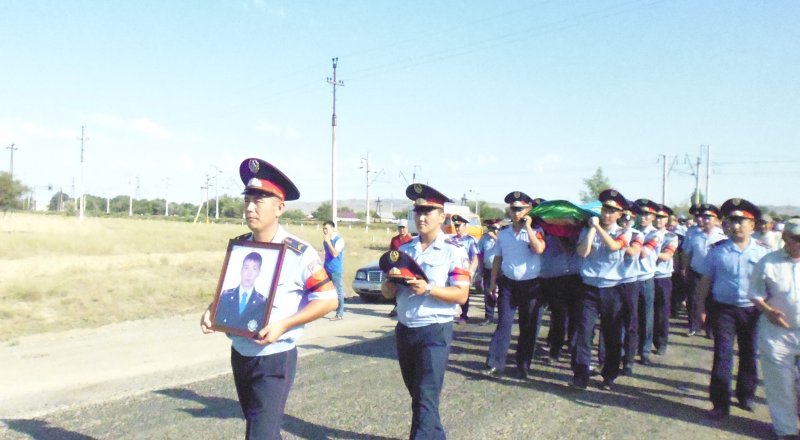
263	384
490	301
739	324
524	296
646	298
661	312
693	306
630	320
607	303
563	296
423	353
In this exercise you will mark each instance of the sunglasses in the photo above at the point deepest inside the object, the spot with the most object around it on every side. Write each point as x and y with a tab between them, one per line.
517	208
458	225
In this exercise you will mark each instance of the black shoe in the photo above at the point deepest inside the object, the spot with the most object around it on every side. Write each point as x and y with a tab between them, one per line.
746	405
579	383
645	360
492	372
550	360
522	373
718	414
607	385
626	371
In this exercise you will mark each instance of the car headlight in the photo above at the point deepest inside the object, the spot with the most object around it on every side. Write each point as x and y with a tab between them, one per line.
361	275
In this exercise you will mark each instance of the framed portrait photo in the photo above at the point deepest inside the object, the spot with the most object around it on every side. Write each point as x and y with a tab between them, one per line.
246	288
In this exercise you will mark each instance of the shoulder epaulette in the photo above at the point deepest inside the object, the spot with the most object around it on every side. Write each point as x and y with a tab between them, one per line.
246	236
718	243
295	245
763	244
452	241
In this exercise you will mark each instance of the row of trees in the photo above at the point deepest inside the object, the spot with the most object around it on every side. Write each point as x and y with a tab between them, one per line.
12	198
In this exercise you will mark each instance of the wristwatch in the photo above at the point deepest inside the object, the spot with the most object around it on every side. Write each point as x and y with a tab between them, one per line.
428	289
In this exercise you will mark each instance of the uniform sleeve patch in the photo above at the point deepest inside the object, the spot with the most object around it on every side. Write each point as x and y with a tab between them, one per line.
295	245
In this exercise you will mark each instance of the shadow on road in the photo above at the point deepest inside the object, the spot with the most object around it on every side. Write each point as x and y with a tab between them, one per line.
213	407
40	429
304	429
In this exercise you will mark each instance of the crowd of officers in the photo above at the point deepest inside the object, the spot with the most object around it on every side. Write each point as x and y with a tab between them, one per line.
629	271
620	269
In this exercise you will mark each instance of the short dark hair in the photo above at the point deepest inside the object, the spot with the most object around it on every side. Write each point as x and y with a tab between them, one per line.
329	222
254	257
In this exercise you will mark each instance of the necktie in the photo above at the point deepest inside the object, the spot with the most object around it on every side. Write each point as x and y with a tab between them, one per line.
242	301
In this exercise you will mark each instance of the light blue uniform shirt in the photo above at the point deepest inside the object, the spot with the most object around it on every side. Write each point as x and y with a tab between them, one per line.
445	264
664	268
298	284
629	269
486	250
697	244
602	267
559	258
730	269
647	263
519	261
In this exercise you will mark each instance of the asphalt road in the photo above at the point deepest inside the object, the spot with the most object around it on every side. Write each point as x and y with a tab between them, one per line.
355	392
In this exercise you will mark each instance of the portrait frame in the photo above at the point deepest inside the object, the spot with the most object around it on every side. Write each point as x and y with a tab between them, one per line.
226	315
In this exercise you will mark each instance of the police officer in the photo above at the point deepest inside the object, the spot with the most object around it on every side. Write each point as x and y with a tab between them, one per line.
663	280
733	317
775	291
647	270
486	253
515	272
425	309
695	248
561	291
602	245
630	288
469	243
264	368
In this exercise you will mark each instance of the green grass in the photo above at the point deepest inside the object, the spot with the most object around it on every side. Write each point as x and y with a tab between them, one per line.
60	273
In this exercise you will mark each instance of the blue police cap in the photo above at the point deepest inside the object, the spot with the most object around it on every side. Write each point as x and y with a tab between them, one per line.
400	267
261	177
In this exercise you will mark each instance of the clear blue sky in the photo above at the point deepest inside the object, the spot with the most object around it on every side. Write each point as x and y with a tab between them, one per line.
473	97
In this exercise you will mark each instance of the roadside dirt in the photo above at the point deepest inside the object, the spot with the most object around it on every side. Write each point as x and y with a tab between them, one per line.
47	372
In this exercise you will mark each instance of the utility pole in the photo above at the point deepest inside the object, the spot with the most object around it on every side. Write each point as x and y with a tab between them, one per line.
663	159
708	172
166	197
697	182
208	181
74	196
81	183
365	165
477	207
11	168
335	83
130	201
216	192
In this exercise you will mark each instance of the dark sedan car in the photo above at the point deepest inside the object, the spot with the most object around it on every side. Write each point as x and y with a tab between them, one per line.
367	283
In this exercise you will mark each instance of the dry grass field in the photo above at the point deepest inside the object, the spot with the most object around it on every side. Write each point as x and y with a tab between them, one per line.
59	273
